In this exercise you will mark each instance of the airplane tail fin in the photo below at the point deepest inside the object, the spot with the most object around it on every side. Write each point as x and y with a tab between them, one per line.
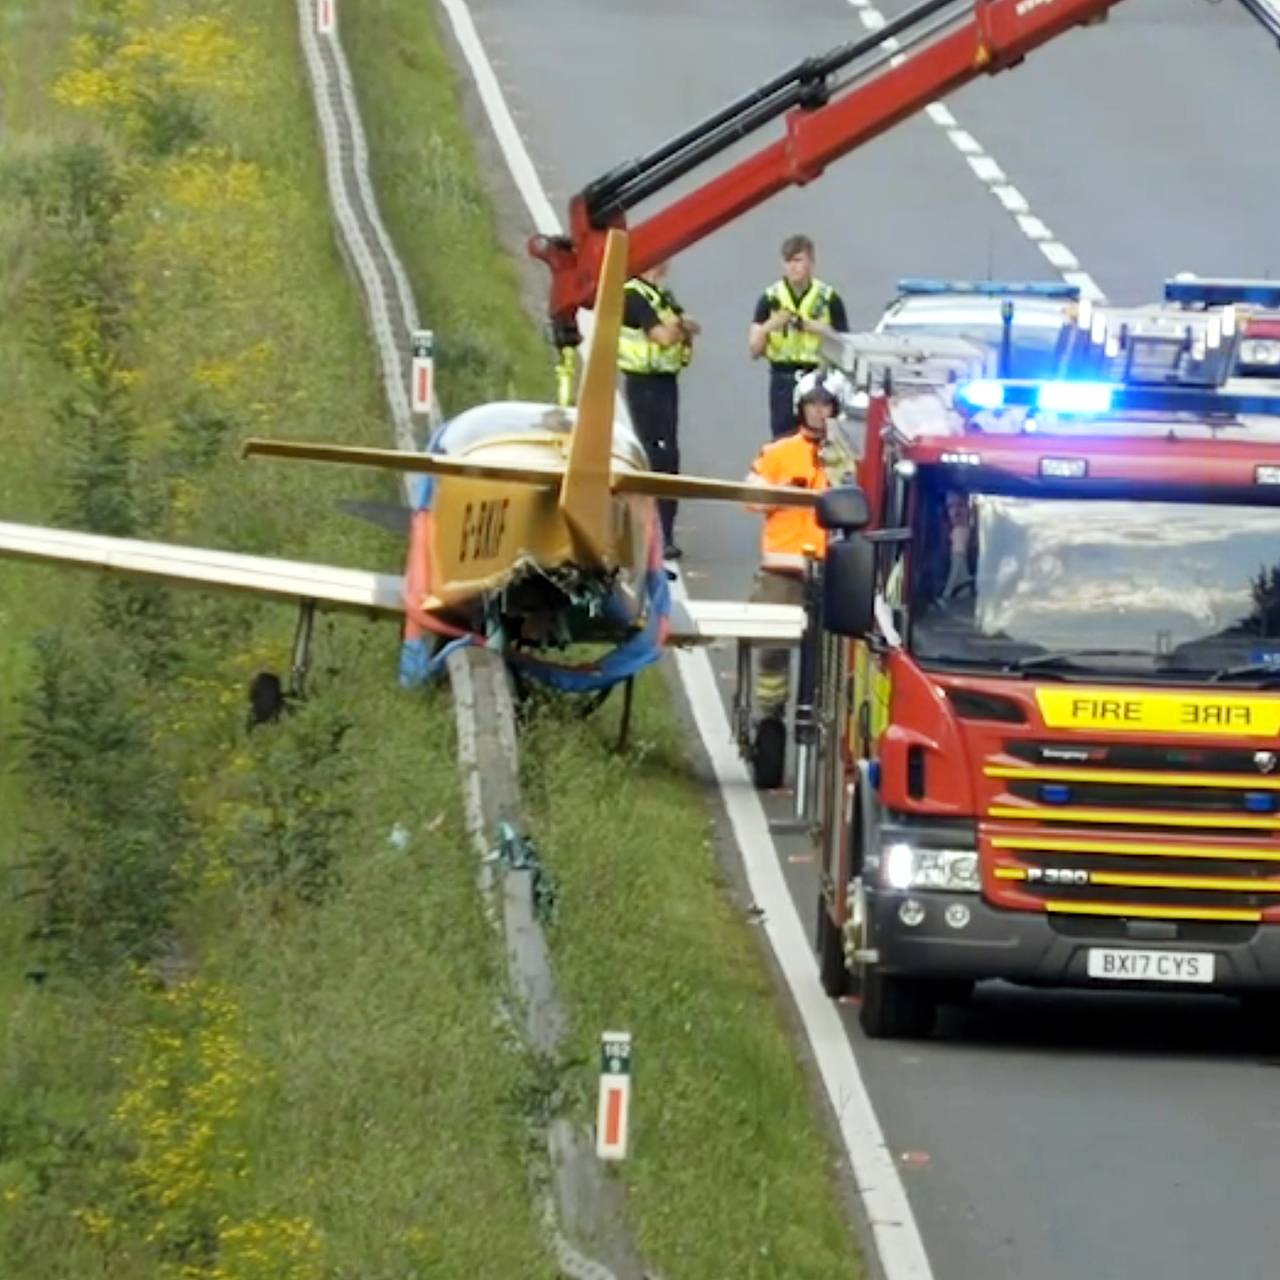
585	496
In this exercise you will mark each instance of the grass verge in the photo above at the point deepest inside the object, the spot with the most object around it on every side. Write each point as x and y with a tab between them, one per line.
731	1173
246	988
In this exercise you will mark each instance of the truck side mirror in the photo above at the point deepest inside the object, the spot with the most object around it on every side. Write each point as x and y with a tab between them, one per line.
849	586
843	509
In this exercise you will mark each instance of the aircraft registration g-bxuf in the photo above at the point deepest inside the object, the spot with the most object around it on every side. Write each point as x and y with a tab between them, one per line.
535	527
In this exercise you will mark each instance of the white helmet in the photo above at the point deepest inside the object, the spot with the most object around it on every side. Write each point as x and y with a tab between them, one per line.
830	382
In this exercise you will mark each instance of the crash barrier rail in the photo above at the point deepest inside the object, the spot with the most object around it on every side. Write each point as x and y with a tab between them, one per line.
384	285
584	1215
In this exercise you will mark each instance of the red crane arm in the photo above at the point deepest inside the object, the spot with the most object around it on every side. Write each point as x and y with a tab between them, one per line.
961	42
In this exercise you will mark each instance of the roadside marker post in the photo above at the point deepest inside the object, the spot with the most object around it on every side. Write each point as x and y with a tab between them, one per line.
613	1112
325	16
424	369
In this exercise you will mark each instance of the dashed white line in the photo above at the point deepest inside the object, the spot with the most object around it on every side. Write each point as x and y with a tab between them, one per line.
1032	227
897	1237
1011	198
988	171
1060	256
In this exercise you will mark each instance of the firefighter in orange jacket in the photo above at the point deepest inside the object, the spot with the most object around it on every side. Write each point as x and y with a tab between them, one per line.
808	458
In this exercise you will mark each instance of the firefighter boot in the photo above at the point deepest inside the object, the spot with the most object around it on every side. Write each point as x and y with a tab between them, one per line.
769	745
769	752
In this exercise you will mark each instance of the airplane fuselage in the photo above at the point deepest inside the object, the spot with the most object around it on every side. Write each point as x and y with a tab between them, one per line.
478	543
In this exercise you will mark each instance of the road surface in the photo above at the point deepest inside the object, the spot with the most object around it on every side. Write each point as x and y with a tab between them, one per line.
1041	1137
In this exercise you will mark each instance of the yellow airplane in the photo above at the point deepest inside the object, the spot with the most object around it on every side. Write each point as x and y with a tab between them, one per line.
536	527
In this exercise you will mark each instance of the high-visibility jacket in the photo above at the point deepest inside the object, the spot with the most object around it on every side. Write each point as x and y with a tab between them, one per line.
793	463
637	352
794	346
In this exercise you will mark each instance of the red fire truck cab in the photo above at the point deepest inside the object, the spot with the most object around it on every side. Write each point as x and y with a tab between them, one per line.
1049	691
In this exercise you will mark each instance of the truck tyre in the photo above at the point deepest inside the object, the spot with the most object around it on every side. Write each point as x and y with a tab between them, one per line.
769	754
895	1008
1261	1011
831	966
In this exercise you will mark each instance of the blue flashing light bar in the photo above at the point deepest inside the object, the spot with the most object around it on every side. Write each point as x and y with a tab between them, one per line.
1223	292
1094	399
1047	397
915	285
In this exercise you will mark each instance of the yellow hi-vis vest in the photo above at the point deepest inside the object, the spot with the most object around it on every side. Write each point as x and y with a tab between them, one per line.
636	352
794	346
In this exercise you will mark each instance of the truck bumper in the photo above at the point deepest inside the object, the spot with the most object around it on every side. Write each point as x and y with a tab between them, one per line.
1052	951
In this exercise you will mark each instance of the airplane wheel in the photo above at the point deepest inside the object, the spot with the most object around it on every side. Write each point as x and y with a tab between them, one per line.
266	699
831	966
769	754
896	1008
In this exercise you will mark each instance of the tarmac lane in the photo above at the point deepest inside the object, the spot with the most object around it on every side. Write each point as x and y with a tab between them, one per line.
1148	142
1040	1136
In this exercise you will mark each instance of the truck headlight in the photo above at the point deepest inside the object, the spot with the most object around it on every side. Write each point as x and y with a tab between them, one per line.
908	866
1265	351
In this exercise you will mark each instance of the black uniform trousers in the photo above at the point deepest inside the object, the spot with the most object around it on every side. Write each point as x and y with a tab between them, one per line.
782	390
654	402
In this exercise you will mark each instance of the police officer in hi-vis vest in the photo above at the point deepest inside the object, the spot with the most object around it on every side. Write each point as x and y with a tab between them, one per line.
655	345
787	328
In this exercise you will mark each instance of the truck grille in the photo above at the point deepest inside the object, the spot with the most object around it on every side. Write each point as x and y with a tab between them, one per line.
1136	830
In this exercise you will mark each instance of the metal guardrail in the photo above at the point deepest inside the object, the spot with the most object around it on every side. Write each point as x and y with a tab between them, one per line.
384	285
584	1206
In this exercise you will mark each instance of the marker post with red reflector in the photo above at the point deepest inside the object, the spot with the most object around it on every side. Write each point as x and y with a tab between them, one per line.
424	369
613	1112
326	16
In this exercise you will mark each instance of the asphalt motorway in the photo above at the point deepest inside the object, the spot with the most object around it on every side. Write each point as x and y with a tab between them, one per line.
1041	1136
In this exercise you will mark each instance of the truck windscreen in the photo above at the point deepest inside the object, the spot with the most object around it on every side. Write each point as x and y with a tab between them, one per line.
1103	584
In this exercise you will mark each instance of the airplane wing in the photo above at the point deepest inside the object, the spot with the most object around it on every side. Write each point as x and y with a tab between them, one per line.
431	464
353	590
693	622
705	621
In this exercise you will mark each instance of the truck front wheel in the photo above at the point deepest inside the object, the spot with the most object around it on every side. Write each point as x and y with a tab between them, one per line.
896	1008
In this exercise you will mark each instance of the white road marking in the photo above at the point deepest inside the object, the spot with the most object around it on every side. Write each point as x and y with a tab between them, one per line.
987	170
897	1237
1032	227
1060	256
990	174
1011	198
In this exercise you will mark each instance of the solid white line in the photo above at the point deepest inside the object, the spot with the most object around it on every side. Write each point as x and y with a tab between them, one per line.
898	1242
504	127
897	1237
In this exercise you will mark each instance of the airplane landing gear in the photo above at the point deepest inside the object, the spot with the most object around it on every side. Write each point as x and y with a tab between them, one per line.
269	699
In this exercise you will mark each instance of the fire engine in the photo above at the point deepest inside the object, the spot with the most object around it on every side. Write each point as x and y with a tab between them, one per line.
1047	687
1035	731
